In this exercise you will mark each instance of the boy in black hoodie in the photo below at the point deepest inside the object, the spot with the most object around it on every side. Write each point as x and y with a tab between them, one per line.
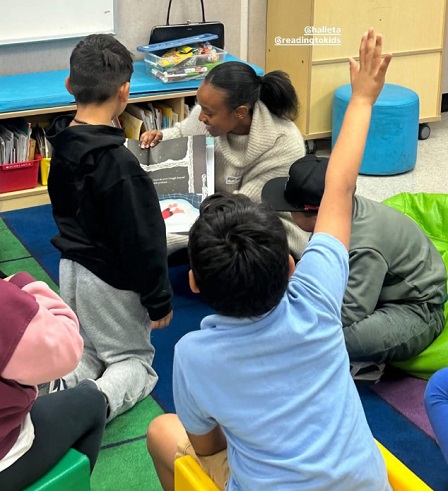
113	269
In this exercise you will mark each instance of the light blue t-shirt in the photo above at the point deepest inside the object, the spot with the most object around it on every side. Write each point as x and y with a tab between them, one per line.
281	389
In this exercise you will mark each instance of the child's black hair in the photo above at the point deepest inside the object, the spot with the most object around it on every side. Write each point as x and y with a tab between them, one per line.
99	66
244	87
239	255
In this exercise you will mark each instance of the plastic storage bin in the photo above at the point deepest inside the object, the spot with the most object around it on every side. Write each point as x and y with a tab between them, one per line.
182	66
44	170
197	66
19	176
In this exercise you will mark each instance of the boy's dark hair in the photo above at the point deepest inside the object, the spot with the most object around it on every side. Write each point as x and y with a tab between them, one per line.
99	65
239	255
244	88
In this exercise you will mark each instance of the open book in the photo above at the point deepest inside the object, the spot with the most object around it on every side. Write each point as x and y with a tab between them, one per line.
183	172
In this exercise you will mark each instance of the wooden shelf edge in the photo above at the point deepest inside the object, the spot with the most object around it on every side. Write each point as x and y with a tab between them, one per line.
37	196
156	96
26	198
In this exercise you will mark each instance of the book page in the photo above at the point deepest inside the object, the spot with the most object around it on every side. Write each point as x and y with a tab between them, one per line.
182	170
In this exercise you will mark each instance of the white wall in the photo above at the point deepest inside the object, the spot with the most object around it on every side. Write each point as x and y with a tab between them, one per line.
135	18
134	21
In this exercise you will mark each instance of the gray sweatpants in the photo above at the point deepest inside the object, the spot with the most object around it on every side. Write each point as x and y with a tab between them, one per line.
394	332
118	352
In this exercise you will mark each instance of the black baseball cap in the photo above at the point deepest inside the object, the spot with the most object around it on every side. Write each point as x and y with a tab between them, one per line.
302	190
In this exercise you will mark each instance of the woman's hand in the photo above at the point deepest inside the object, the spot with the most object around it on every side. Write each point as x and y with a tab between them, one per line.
150	138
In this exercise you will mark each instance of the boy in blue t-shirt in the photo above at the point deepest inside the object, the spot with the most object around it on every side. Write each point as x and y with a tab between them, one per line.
263	393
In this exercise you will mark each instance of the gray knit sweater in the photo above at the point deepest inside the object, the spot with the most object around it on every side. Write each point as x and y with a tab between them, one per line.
243	163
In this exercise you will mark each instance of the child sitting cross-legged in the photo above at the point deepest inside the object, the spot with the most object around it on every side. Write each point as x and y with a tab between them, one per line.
263	391
40	341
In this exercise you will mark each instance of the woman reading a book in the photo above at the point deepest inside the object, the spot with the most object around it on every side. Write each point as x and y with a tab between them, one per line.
251	119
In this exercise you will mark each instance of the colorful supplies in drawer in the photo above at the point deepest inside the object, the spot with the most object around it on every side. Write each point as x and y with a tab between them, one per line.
182	61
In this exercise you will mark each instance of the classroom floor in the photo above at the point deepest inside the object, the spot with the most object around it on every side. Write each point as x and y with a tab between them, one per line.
430	174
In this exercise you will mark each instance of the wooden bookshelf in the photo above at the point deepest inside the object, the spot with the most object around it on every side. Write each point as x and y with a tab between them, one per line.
39	196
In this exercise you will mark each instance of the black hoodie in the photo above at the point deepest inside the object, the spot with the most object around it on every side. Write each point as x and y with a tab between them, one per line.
107	212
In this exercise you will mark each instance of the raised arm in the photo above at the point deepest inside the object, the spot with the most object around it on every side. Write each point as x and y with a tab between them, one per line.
335	212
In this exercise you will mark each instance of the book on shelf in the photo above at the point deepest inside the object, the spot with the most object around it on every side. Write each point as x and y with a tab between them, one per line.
150	118
167	114
16	144
182	170
138	118
131	124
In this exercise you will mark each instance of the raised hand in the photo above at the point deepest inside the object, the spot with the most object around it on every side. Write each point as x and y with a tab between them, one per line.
367	79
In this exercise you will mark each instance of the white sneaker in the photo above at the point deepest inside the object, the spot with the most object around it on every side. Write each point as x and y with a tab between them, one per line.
57	385
367	370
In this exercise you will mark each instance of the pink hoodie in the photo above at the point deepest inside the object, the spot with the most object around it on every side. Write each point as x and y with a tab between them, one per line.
39	342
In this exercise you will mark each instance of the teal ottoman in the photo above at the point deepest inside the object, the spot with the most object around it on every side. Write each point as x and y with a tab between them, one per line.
391	146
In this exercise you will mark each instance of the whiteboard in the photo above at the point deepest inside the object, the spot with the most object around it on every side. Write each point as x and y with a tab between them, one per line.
27	21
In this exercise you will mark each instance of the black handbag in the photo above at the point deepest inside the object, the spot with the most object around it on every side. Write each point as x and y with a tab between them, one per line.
168	32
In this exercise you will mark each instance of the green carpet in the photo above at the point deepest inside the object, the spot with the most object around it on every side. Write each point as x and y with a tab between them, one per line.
15	257
123	463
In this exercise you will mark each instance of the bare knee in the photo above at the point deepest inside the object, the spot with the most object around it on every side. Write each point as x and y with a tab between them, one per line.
156	430
163	435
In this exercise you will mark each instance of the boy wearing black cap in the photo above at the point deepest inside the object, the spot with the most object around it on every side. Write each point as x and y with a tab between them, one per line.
393	305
